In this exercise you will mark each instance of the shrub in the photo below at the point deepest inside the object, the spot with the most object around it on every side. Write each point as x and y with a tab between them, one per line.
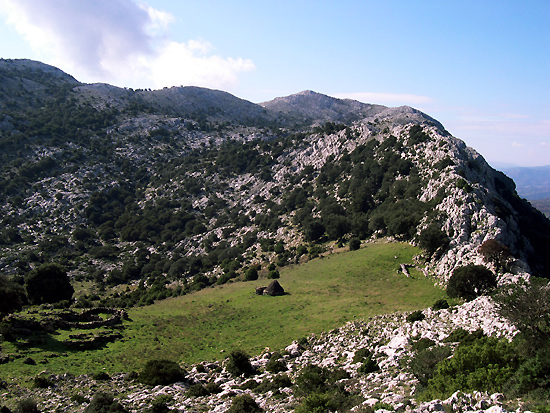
274	274
13	296
160	404
79	398
424	363
496	253
161	372
433	239
312	379
27	406
422	344
316	403
354	244
485	364
48	284
101	375
238	364
440	304
104	403
527	306
416	316
470	281
279	381
244	404
197	390
463	336
41	382
274	365
364	356
251	274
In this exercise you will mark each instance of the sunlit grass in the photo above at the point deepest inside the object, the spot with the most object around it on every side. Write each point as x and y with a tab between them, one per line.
322	294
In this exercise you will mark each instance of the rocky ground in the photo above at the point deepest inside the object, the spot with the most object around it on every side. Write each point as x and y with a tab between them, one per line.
388	337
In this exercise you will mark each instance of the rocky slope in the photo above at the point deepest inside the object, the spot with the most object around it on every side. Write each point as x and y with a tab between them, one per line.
84	166
390	338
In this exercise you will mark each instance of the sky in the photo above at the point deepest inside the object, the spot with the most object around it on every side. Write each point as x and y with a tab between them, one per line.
480	67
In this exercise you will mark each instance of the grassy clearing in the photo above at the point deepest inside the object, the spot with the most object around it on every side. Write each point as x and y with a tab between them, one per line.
322	294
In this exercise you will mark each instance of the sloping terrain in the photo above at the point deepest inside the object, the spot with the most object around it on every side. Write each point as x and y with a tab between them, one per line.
103	179
142	195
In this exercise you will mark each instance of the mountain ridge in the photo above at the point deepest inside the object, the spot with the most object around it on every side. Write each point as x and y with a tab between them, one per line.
290	147
139	196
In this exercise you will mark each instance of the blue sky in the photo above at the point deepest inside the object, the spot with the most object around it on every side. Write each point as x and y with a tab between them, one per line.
481	67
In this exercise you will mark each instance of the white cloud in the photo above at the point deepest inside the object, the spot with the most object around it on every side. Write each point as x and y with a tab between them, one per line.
386	98
120	42
517	144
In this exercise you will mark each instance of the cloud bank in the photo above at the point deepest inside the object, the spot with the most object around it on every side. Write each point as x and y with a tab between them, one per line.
119	42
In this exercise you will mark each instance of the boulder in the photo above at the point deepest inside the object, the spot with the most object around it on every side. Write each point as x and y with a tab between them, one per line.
274	289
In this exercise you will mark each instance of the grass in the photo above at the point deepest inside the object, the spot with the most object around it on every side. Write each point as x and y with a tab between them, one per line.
323	294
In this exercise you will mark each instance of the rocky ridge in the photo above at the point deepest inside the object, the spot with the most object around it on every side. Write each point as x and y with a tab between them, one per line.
142	141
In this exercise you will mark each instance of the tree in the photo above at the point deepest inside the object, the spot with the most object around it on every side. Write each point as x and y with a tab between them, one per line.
48	283
495	252
13	296
527	306
470	281
433	239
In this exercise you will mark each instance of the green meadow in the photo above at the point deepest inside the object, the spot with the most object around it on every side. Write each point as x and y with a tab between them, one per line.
322	294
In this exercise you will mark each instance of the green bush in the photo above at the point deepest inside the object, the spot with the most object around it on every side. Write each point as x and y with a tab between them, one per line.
274	275
422	344
470	281
251	274
440	304
238	364
365	356
354	244
101	375
424	363
27	406
312	379
433	239
48	283
316	403
279	381
41	382
275	365
13	296
104	403
416	316
485	364
161	372
160	404
244	404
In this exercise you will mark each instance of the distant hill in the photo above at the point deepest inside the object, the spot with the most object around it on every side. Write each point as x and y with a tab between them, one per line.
543	205
532	183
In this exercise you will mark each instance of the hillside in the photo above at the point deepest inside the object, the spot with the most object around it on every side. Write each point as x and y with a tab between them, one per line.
98	171
142	195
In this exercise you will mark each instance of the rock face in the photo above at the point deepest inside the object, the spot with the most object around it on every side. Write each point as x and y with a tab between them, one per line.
274	289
